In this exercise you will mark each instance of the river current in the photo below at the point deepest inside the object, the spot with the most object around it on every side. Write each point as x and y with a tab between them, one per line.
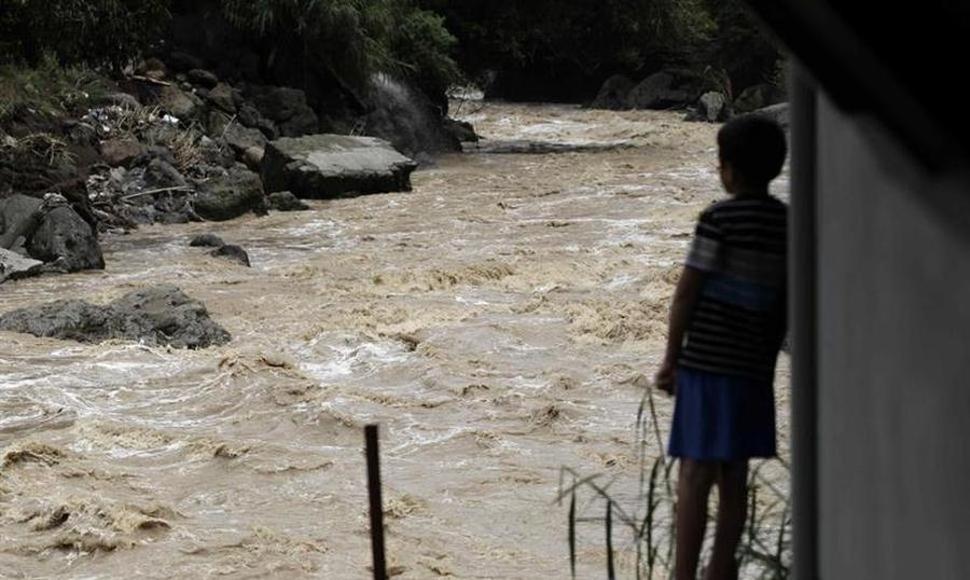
500	321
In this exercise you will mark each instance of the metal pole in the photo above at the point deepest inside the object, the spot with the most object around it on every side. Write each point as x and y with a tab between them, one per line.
376	503
803	314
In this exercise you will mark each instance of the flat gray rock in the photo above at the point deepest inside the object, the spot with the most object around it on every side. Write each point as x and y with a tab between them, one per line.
327	166
14	266
160	315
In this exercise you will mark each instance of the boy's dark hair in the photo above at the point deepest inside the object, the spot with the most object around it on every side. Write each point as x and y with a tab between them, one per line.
755	147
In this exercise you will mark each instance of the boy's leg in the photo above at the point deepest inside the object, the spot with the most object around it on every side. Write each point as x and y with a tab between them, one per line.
732	505
693	487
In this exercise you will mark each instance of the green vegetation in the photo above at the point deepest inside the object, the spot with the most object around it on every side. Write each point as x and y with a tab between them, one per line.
539	48
47	89
96	32
355	38
566	48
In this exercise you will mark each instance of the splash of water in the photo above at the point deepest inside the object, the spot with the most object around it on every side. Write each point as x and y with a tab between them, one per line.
406	117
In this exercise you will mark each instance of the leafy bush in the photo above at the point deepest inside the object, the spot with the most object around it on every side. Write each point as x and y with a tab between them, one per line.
96	32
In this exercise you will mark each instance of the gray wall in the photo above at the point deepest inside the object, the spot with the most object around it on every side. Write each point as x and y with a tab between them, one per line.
894	361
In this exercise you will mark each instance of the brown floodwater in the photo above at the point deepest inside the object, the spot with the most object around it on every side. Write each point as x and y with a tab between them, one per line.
499	322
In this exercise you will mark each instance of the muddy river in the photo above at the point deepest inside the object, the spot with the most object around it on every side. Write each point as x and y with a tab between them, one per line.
499	322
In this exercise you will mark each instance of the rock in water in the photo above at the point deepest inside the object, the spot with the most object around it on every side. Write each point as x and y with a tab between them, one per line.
230	197
668	88
286	201
161	315
66	242
713	106
207	241
233	253
326	166
614	93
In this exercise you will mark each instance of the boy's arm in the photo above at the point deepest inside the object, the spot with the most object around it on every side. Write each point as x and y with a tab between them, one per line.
685	297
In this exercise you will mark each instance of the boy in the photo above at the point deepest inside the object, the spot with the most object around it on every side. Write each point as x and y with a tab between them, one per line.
730	307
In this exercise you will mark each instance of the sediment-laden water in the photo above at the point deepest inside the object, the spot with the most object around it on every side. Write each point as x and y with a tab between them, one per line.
499	322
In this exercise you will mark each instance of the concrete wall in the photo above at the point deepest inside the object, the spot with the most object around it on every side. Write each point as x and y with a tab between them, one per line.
894	362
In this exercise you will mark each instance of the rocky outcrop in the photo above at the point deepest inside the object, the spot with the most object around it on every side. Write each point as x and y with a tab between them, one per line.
161	315
614	94
238	193
326	166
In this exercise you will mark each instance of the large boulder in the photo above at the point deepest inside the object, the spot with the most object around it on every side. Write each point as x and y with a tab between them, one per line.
286	107
668	89
19	217
758	97
229	197
325	166
614	94
123	151
161	315
66	242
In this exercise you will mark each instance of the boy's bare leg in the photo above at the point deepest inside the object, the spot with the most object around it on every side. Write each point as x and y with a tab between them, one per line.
732	504
693	488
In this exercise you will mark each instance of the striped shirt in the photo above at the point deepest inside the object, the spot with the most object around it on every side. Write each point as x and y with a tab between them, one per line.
738	322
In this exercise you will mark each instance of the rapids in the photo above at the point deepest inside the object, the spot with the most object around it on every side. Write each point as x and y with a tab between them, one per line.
500	321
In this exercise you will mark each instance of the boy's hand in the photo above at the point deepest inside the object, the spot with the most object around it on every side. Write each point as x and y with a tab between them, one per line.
665	379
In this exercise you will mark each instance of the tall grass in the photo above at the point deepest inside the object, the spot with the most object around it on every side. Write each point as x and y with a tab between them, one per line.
765	551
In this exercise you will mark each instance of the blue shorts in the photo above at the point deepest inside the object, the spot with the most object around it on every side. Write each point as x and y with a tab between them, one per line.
721	417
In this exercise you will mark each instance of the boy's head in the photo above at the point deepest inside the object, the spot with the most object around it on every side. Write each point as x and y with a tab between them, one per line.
752	152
